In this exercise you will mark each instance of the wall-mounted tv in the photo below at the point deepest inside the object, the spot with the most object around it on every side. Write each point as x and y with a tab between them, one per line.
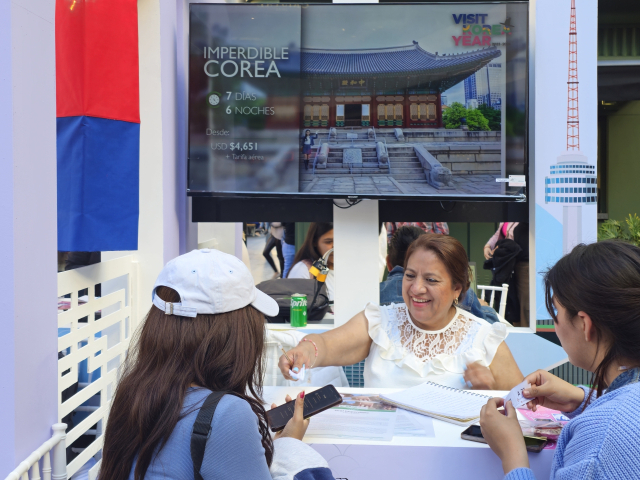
368	100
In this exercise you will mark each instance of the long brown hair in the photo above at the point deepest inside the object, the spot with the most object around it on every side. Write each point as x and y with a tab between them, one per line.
217	352
603	280
309	249
450	252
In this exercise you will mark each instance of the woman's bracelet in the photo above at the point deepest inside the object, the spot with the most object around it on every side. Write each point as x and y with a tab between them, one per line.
314	346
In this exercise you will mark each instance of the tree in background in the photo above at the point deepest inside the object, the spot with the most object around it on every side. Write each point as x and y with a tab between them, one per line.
492	115
476	120
452	118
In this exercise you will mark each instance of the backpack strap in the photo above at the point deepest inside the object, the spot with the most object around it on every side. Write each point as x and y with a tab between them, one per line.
202	430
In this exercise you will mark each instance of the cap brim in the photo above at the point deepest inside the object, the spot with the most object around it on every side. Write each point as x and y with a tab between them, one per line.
265	304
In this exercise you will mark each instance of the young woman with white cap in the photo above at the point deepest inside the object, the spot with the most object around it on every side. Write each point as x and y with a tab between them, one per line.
203	334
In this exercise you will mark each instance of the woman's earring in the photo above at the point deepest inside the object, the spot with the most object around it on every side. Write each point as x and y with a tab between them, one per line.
455	301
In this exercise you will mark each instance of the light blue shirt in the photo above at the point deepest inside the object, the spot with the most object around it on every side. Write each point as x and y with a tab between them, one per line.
603	442
234	450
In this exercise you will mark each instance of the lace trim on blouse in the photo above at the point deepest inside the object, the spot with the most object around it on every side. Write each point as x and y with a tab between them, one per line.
455	338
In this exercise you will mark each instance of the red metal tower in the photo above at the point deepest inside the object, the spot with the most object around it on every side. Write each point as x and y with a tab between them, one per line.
573	124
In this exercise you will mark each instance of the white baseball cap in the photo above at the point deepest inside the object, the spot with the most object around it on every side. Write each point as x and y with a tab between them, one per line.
209	282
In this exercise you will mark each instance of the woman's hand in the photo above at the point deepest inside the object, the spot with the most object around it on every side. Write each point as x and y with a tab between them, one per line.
303	354
549	391
478	377
503	434
297	426
488	253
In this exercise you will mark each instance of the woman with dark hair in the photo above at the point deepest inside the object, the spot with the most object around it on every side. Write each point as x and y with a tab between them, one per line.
593	296
427	338
204	333
319	240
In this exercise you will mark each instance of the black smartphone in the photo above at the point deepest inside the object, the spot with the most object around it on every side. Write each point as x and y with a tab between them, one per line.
474	434
314	402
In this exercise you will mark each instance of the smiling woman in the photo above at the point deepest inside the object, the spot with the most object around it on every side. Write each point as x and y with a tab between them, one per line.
426	338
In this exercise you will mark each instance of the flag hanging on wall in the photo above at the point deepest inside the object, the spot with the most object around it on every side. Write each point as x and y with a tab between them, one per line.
98	124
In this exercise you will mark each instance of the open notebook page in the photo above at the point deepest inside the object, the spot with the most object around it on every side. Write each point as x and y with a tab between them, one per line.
441	400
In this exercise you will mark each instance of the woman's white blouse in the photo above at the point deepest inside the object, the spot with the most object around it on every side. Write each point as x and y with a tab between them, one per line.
403	355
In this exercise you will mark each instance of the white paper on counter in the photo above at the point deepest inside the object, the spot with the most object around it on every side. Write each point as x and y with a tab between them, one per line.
360	416
409	424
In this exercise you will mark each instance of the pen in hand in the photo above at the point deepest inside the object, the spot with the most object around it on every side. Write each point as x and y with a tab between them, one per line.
285	354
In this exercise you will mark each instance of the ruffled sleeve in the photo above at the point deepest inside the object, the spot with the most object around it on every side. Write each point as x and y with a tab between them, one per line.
486	343
382	333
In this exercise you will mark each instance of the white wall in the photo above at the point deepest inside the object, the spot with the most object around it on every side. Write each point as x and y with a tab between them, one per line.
28	230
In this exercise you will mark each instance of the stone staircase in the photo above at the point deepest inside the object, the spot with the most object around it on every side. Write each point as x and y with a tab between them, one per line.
405	166
362	136
335	166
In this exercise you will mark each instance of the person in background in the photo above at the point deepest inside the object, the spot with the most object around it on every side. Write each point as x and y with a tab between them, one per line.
319	240
276	232
288	247
593	296
519	233
204	333
391	289
426	338
307	143
428	227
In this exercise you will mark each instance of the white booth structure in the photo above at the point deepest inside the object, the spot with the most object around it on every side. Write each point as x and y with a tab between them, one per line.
33	377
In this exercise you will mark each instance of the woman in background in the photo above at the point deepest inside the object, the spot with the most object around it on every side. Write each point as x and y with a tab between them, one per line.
519	233
593	296
319	240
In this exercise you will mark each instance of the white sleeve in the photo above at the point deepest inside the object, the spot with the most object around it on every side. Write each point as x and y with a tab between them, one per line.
299	270
487	341
292	456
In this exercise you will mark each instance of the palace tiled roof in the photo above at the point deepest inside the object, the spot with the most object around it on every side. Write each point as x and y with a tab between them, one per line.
394	60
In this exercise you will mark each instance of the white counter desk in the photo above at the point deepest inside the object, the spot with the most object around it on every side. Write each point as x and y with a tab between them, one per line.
445	456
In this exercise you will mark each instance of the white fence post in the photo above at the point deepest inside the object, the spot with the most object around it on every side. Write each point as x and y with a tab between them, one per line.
60	453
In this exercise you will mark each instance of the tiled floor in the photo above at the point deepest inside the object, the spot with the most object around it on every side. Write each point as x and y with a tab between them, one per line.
260	269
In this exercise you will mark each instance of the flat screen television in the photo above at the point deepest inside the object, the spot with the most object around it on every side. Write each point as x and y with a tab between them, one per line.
387	101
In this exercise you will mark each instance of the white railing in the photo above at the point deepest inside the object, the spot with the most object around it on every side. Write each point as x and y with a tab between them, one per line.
52	469
94	335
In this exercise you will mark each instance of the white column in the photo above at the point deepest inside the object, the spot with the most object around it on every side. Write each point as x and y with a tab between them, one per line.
28	230
355	239
571	227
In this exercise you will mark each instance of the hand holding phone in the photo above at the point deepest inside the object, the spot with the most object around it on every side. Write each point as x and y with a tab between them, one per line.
304	407
297	425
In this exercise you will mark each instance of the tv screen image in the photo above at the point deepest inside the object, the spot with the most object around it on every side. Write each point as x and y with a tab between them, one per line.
376	101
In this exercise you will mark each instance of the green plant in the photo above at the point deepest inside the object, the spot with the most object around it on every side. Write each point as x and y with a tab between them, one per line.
452	116
476	121
614	230
492	115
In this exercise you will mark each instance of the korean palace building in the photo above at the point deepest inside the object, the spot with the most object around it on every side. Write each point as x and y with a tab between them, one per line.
382	87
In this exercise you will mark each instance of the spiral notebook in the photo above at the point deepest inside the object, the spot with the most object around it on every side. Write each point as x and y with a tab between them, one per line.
461	407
